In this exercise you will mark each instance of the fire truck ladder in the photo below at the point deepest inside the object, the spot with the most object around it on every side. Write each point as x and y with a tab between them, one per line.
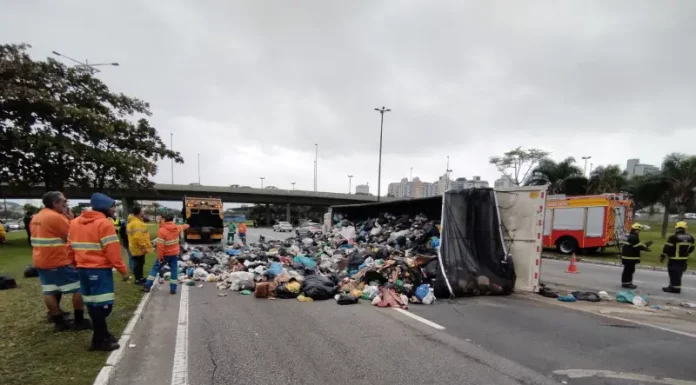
619	230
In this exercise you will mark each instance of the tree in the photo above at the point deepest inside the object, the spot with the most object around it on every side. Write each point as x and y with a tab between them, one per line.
647	190
61	126
30	208
607	179
76	210
557	176
517	163
679	171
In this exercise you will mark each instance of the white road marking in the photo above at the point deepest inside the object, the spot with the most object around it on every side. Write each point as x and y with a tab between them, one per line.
583	373
420	319
180	369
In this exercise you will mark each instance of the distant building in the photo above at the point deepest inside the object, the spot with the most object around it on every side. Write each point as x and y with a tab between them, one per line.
504	182
635	168
362	189
419	189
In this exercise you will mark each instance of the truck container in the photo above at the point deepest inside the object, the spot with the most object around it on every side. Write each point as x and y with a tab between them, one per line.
205	219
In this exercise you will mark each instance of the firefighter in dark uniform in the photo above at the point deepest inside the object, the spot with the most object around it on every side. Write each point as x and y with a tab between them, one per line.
630	255
677	249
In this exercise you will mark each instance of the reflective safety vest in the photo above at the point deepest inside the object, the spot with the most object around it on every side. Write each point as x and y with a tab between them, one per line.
49	232
168	239
94	244
632	247
679	246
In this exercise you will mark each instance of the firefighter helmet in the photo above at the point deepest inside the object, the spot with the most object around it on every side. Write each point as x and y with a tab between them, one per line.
637	226
680	225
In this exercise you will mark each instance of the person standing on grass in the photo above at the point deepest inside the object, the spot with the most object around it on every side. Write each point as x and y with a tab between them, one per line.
231	229
139	242
28	215
168	250
677	250
49	236
123	236
94	245
630	255
242	232
3	234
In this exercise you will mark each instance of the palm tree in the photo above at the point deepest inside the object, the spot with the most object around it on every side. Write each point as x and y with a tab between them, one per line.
679	171
609	179
556	175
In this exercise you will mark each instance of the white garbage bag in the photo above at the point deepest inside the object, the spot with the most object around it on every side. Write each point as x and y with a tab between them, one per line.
200	274
348	233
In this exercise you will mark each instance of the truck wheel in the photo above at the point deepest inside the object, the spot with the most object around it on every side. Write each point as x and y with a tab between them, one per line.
566	245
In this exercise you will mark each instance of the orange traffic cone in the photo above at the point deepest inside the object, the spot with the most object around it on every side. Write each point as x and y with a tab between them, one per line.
572	268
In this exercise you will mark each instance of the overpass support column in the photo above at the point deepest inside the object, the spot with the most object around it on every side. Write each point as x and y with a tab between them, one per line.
127	205
268	214
288	217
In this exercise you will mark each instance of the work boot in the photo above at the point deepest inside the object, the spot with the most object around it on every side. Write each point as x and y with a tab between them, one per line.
66	316
86	324
146	289
670	289
60	324
172	292
629	286
104	346
111	338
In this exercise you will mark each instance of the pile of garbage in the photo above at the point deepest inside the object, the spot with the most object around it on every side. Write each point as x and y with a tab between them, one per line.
390	261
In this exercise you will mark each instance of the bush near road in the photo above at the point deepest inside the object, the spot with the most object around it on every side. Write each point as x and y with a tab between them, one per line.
31	354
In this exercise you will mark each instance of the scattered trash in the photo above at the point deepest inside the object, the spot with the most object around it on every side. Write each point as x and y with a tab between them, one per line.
567	298
604	296
688	304
639	301
586	296
245	292
222	294
630	297
31	272
199	286
546	292
7	282
131	346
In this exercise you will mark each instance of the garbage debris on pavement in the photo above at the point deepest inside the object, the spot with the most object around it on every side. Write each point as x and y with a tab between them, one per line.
389	261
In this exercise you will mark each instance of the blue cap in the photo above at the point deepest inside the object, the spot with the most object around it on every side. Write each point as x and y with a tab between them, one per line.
101	202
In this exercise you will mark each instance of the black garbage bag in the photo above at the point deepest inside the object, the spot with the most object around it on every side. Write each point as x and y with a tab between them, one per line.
283	292
355	260
546	292
318	287
584	296
347	299
283	252
164	269
31	272
246	285
7	282
196	260
208	260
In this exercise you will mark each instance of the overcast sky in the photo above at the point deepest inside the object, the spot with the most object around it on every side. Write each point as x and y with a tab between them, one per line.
253	85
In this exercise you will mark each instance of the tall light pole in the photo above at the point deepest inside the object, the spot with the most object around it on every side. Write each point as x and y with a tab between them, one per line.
584	170
199	169
447	175
379	169
350	178
171	147
293	186
410	176
316	162
90	66
591	164
262	178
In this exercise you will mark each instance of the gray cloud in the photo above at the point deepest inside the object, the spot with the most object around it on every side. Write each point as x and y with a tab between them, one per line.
465	79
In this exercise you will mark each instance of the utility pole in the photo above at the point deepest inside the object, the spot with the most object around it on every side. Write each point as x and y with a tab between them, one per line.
447	175
293	186
410	176
591	164
199	169
91	67
316	163
350	177
379	168
171	147
262	178
584	170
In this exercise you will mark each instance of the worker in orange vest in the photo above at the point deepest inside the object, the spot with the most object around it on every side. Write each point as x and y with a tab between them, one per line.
242	229
96	249
168	251
57	273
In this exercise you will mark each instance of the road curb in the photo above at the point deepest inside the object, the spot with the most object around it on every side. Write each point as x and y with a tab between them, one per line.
104	376
604	263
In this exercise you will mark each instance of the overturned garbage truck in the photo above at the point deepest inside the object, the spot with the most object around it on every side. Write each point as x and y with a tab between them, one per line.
490	240
205	218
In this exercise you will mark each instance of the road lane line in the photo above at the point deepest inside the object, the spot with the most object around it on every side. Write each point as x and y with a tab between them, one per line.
420	319
180	369
585	373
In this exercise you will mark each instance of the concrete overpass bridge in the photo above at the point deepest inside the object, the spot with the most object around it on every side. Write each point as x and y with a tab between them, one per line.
176	192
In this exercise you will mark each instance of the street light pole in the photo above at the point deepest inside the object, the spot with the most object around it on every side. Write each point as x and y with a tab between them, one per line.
171	147
584	170
262	178
199	169
293	186
591	164
379	168
447	175
350	178
91	67
316	164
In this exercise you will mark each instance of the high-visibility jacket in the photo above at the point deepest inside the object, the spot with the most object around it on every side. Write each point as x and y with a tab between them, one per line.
679	246
138	237
632	246
168	239
49	235
93	242
2	232
242	228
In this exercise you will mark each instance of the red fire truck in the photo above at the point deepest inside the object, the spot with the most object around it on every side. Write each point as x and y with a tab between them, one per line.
586	223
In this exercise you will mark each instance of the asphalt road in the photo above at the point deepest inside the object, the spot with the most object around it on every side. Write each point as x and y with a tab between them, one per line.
592	277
